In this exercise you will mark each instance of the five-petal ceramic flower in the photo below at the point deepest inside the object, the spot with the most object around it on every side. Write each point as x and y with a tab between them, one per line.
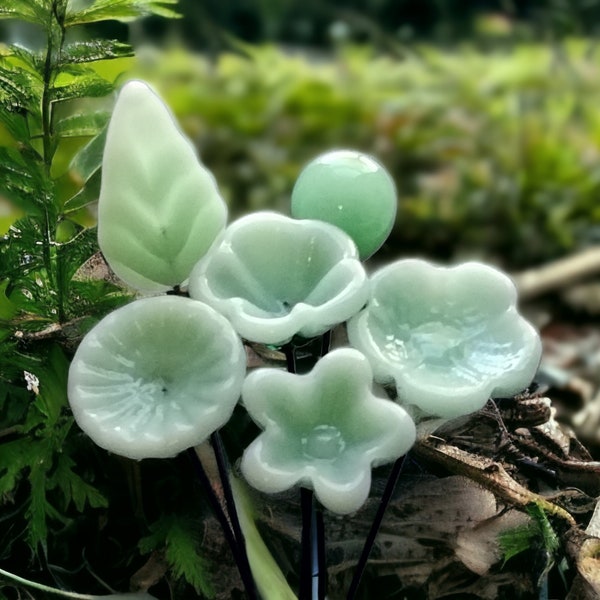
156	376
323	430
450	338
274	277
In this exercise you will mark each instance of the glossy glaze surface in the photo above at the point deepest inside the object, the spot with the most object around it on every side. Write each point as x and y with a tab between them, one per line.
156	377
274	277
450	338
159	208
352	191
323	430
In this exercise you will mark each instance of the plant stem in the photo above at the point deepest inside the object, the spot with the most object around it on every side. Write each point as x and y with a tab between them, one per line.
45	588
224	469
54	42
214	503
307	543
312	566
370	541
312	584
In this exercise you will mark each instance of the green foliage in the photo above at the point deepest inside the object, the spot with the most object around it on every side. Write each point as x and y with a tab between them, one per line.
180	537
494	154
538	533
61	497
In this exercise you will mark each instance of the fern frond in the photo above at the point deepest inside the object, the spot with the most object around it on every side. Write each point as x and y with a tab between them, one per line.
94	50
85	86
122	10
19	90
25	10
180	537
82	125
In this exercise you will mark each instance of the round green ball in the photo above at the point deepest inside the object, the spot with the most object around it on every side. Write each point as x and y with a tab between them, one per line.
352	191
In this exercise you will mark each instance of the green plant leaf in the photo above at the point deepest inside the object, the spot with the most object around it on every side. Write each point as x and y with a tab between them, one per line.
86	166
89	159
82	125
73	487
121	10
34	61
90	192
85	86
26	10
15	456
18	90
16	125
181	537
94	50
7	308
20	179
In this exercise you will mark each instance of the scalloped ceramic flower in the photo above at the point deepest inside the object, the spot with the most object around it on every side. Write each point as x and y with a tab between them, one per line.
450	338
156	376
323	430
274	277
159	208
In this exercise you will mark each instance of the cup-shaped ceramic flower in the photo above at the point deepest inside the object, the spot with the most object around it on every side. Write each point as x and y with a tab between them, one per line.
274	277
323	430
450	338
159	208
156	376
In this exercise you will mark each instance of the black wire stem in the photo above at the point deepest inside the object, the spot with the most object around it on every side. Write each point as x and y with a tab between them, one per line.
237	548
313	566
370	541
224	470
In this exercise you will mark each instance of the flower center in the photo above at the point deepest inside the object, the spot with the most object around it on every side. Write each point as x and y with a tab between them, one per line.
436	342
324	442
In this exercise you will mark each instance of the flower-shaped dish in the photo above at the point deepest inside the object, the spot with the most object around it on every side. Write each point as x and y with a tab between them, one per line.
324	430
156	376
274	277
450	338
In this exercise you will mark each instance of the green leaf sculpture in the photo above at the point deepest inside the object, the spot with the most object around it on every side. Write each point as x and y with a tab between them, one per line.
159	209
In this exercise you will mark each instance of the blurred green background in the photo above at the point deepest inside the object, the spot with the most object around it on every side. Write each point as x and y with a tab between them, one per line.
485	112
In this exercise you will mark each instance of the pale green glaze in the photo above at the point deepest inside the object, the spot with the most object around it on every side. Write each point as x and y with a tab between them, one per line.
274	277
324	430
351	190
159	208
156	377
450	338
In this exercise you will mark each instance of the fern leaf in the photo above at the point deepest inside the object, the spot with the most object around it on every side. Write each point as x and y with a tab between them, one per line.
37	528
19	179
82	125
86	166
23	10
121	10
87	86
73	488
34	61
89	159
180	537
89	193
19	90
94	50
15	456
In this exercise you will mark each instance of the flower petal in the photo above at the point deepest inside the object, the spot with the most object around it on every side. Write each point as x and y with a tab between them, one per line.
449	337
156	376
324	430
274	277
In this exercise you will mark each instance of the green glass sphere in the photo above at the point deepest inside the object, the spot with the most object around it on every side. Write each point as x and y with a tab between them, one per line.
351	190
